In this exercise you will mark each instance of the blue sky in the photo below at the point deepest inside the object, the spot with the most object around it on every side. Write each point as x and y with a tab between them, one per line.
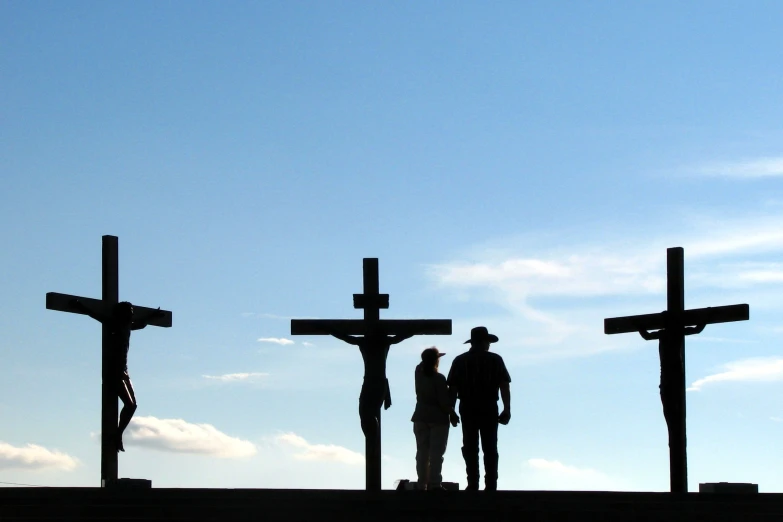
518	165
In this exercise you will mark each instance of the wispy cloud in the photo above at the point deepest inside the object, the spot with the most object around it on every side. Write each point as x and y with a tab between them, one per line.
755	369
555	474
179	436
585	274
755	168
308	344
238	377
319	452
34	457
276	340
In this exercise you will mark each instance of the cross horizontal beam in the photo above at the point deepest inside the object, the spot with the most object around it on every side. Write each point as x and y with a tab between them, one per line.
362	327
62	303
693	317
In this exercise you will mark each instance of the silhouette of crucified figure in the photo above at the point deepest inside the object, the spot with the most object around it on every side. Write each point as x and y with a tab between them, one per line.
672	386
374	348
121	323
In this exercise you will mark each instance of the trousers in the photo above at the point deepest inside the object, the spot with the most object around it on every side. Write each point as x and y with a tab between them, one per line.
480	425
431	440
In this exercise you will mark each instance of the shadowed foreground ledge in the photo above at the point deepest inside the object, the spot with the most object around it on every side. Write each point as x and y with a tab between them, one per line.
270	505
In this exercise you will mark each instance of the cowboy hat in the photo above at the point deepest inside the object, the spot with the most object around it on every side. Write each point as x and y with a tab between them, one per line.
480	333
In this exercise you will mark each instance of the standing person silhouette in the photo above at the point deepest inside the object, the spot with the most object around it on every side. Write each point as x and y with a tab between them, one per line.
121	323
375	393
475	378
431	420
672	384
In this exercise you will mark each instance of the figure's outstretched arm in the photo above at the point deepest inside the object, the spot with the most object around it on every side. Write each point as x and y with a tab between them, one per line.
144	320
76	304
649	336
693	330
345	338
399	338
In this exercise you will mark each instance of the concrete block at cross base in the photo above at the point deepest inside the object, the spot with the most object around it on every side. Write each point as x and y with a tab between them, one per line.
729	487
129	483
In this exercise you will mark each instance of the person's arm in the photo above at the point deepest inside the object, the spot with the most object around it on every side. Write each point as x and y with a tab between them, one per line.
649	336
693	330
76	304
451	382
505	396
399	338
144	320
387	399
442	394
346	338
453	395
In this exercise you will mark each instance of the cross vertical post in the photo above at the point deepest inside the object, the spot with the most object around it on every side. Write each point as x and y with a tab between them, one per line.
110	296
372	314
675	306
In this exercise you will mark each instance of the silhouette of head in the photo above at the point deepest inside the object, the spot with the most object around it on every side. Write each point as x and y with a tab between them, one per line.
480	338
430	358
123	311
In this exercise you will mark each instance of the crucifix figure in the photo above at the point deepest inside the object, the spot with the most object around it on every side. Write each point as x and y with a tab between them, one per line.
118	319
373	336
672	325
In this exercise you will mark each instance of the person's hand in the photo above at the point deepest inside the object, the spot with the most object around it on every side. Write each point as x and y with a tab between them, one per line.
454	418
504	417
387	403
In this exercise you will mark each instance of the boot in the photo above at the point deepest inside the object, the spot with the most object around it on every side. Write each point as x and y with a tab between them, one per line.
491	472
472	469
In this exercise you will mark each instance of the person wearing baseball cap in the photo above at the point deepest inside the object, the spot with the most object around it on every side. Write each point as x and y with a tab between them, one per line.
475	378
431	420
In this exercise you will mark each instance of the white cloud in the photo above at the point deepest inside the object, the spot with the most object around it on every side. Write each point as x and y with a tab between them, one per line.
319	452
755	369
179	436
553	299
757	168
238	377
34	457
585	274
276	340
555	466
556	475
762	276
308	344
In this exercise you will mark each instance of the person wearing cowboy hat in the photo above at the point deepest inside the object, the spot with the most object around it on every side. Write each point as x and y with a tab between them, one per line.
431	420
475	378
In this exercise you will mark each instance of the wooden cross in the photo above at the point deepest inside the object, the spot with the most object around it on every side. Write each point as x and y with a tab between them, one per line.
105	305
371	301
673	323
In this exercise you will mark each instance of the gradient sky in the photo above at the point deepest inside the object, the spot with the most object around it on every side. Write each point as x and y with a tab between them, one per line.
519	165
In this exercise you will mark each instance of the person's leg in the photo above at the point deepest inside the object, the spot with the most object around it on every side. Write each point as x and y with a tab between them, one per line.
439	436
129	405
370	402
422	432
489	445
673	402
470	442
